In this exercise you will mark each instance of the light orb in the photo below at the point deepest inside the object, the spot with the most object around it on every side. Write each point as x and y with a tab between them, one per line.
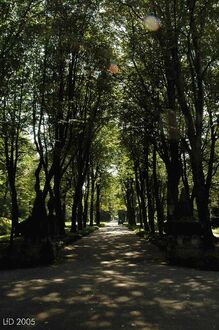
113	68
152	23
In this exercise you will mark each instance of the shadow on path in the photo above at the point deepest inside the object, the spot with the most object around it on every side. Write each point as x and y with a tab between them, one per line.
112	280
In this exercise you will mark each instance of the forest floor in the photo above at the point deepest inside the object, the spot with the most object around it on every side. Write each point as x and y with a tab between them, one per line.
110	280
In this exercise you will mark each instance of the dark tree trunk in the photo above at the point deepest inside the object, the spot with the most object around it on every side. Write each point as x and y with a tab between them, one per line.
143	202
159	206
173	164
11	138
204	216
74	214
77	208
37	225
136	168
57	199
98	188
86	198
194	119
82	170
173	179
52	231
186	185
80	211
59	142
130	203
39	219
11	155
92	198
202	200
14	211
64	210
149	191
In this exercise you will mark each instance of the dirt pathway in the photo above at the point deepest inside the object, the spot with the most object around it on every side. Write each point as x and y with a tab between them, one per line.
111	280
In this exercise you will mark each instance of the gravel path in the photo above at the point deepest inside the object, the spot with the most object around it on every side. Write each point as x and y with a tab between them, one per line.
110	280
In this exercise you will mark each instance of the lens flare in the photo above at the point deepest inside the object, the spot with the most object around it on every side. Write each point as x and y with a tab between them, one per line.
113	68
152	23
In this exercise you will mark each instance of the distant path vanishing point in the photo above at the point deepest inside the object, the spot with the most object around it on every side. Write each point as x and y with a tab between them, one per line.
111	280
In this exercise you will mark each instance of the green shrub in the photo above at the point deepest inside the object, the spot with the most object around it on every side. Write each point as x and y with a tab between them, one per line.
88	230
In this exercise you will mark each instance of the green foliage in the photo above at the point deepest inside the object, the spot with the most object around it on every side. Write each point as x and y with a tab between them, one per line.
64	117
72	237
25	178
105	155
137	230
5	226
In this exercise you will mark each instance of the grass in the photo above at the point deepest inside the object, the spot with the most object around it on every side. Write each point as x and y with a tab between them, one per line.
72	237
88	230
138	230
102	224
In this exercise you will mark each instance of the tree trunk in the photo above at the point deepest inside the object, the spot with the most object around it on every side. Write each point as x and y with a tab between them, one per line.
136	168
149	191
74	214
174	161
52	231
143	202
14	211
130	202
77	208
186	184
202	200
86	198
98	187
39	219
80	211
57	199
92	198
194	128
173	179
159	206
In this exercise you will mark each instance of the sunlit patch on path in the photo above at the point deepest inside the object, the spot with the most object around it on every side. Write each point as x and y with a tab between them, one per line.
112	280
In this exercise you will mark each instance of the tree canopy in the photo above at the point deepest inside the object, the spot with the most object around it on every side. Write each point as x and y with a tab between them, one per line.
108	106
